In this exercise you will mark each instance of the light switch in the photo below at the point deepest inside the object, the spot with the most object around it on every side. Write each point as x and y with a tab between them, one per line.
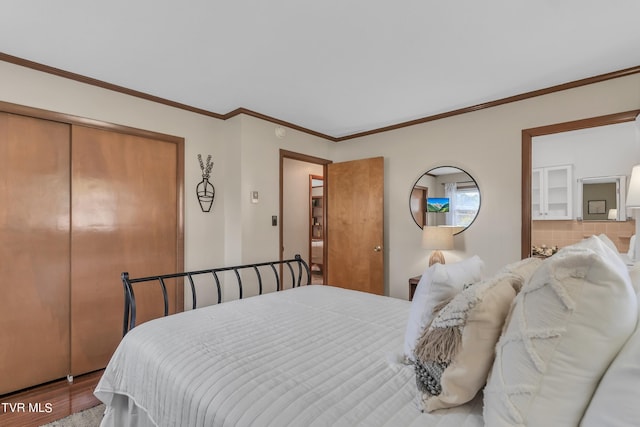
274	220
254	197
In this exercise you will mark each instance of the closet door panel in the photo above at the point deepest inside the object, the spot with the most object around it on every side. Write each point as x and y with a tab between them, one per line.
34	251
124	205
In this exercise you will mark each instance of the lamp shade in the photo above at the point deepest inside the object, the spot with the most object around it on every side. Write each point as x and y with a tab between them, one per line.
437	237
633	194
613	214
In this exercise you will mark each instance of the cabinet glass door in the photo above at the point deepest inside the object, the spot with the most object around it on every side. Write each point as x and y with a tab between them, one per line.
551	193
558	192
537	203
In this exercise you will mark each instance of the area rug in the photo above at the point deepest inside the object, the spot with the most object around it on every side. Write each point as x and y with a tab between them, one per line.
88	418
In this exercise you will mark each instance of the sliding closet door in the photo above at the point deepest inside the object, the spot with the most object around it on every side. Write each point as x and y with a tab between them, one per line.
34	251
125	215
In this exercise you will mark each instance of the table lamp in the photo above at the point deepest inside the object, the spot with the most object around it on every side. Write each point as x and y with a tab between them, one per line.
437	239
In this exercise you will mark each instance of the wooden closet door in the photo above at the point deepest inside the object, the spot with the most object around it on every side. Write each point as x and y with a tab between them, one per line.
124	218
34	251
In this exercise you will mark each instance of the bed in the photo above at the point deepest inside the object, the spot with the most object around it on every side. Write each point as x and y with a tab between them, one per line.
311	355
315	355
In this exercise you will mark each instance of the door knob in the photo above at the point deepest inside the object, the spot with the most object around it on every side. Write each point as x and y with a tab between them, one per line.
377	249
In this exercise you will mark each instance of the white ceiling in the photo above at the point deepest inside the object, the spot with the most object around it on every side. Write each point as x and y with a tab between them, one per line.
336	67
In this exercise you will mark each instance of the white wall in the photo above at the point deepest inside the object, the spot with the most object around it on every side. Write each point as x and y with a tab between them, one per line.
594	152
260	164
485	143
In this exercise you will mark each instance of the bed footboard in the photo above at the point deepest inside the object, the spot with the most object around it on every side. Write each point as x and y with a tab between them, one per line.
298	269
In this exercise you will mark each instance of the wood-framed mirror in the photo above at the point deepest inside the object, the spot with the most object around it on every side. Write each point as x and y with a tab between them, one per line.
528	136
445	196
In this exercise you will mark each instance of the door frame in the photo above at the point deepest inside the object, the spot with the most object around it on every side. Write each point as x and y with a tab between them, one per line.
286	154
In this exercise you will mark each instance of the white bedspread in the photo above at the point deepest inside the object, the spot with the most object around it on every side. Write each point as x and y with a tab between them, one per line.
310	356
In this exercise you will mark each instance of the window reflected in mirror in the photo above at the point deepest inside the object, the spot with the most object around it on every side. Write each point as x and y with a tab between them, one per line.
445	196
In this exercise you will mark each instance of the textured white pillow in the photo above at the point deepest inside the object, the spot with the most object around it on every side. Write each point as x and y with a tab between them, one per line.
615	402
438	283
567	325
626	259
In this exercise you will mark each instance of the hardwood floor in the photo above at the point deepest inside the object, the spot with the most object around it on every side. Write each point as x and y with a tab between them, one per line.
316	278
49	402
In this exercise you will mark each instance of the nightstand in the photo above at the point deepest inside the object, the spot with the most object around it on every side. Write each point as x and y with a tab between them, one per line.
413	283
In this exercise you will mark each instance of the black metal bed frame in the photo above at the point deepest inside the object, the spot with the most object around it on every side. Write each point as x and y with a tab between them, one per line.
130	299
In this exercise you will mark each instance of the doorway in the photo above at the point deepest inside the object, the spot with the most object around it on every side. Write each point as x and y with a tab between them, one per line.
353	202
302	211
317	215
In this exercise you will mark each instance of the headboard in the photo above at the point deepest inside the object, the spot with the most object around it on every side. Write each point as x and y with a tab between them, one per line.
296	266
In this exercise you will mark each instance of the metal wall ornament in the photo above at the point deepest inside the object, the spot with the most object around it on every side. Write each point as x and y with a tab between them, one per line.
205	190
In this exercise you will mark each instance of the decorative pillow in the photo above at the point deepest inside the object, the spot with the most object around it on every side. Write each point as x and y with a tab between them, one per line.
455	352
567	325
523	268
438	283
623	256
615	402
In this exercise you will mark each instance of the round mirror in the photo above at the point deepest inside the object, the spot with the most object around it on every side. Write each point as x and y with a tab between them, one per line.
445	196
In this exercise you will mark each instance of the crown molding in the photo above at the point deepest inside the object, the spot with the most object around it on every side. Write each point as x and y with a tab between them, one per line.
105	85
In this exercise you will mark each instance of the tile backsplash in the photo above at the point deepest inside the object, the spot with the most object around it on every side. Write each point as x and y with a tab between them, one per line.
565	233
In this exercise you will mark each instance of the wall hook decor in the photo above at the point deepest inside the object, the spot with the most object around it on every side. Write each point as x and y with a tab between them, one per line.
205	190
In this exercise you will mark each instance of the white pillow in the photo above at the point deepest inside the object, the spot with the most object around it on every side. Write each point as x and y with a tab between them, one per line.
608	242
438	283
634	273
625	257
615	402
567	325
631	253
523	268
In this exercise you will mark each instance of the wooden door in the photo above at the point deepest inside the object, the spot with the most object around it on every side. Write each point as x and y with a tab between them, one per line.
418	205
34	251
125	214
355	218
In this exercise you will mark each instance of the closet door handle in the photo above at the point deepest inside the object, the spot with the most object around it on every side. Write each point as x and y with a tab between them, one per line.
377	248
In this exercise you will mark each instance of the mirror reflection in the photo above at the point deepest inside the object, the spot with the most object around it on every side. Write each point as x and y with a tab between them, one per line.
445	196
601	199
579	175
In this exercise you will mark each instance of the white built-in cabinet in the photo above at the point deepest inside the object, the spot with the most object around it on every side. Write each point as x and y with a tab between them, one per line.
551	193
